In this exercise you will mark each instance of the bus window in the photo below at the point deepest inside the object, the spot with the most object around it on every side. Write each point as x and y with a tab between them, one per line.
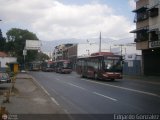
112	65
67	65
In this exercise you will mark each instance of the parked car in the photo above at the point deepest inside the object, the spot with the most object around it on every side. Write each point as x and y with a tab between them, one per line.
4	77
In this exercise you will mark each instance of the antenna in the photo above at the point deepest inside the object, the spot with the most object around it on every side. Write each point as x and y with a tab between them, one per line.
100	42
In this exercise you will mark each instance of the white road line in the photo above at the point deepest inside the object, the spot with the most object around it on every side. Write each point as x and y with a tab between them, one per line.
76	86
68	114
41	87
71	76
57	79
46	92
54	91
54	101
125	88
105	96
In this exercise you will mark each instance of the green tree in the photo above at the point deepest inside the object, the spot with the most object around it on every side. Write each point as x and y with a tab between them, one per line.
2	42
42	56
16	42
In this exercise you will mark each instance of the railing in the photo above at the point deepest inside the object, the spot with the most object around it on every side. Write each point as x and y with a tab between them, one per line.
140	17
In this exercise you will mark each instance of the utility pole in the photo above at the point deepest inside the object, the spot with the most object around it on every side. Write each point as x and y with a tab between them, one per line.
100	43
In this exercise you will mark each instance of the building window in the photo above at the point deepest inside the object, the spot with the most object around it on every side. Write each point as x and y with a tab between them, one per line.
141	16
153	12
154	35
141	36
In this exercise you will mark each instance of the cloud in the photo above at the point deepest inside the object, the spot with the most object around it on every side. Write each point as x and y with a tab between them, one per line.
51	19
132	3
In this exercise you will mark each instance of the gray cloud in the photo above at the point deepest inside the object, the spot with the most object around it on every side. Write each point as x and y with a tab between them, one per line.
51	19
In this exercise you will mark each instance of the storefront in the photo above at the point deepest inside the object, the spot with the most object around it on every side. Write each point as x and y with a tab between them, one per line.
151	59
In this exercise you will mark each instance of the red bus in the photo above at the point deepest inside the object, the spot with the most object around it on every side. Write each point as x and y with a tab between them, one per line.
47	66
100	66
63	66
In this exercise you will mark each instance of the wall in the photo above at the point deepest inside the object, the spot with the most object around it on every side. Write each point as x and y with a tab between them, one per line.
154	22
4	60
133	66
141	3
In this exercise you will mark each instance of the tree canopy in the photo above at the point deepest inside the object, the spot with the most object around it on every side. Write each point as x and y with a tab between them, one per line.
2	42
41	57
16	39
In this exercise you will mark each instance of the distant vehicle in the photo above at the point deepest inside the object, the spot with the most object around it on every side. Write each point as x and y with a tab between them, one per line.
63	66
104	65
4	77
47	66
34	66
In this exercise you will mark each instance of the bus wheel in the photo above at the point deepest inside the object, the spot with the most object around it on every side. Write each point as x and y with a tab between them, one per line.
95	76
82	76
112	79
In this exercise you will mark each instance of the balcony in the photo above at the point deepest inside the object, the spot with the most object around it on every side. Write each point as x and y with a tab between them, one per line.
140	30
142	34
141	9
141	16
142	38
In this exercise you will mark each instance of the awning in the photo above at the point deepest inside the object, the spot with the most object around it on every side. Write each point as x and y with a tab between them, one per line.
154	6
143	8
155	29
139	30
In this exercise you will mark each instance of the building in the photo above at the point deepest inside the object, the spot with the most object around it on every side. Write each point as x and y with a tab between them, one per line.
4	59
147	34
61	52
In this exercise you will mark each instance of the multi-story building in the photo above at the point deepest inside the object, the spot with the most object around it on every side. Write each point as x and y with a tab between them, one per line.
147	34
61	52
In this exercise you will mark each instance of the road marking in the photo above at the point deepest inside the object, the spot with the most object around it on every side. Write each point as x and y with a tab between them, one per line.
54	101
57	79
76	86
71	76
46	91
54	91
125	88
105	96
41	86
68	114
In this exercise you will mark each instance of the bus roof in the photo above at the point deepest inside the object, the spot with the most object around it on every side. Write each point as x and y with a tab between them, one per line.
102	53
63	61
96	56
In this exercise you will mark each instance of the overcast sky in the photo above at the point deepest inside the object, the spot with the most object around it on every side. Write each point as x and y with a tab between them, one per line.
64	19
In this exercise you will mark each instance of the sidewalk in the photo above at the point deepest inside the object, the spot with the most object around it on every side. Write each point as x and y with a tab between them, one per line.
28	97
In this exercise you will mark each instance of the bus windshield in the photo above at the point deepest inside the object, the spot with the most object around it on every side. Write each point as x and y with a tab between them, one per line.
112	65
66	65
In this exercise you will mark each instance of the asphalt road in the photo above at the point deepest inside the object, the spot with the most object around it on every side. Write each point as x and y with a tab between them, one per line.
78	95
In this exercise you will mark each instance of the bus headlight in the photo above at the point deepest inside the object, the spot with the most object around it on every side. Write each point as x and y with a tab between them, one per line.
105	75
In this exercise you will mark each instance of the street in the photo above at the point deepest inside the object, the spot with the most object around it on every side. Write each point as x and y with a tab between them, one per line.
78	95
